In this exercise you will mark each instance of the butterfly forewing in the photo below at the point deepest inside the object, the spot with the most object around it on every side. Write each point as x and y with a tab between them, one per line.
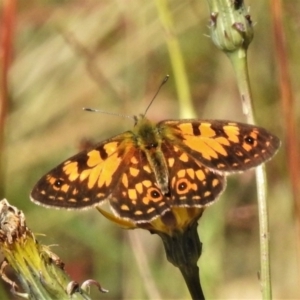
223	146
85	179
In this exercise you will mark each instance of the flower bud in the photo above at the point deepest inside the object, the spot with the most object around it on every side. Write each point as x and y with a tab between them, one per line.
230	25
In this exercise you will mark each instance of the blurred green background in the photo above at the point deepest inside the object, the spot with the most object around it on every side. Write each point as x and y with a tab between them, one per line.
112	55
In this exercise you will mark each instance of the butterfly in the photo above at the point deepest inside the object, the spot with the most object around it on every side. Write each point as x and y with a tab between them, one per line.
146	171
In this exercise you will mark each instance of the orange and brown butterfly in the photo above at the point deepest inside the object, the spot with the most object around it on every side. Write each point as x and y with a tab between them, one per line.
147	171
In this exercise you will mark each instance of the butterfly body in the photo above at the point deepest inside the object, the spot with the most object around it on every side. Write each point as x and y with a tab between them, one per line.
145	172
148	139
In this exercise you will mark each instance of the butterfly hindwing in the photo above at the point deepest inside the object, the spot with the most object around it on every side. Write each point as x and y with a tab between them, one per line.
138	198
191	183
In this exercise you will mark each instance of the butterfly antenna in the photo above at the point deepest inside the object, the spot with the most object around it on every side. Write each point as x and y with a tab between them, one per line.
160	86
107	113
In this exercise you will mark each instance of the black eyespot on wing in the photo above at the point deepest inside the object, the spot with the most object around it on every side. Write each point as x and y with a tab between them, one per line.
155	194
249	140
58	183
182	186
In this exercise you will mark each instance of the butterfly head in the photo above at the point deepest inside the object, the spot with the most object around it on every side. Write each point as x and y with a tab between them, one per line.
145	132
137	119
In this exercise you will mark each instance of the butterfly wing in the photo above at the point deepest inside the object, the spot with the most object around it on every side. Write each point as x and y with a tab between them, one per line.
197	155
138	198
223	146
85	179
191	183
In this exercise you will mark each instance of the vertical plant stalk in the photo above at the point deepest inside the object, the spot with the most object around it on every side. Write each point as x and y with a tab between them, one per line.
186	109
232	32
288	106
6	37
241	70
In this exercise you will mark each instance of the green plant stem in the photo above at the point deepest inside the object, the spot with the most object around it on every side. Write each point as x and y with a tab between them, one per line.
232	32
186	109
239	62
240	66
